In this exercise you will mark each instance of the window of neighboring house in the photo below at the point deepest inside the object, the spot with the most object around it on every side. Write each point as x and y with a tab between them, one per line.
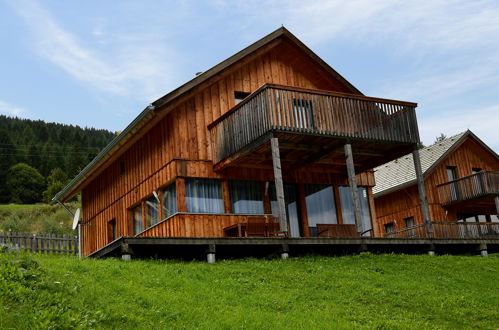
477	181
347	210
246	197
111	230
319	199
389	227
303	111
138	226
409	222
452	176
169	204
203	196
152	211
239	96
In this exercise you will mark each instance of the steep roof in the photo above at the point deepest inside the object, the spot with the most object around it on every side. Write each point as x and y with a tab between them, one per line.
400	173
152	110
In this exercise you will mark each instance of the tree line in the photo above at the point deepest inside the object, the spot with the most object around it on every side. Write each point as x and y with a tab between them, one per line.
37	158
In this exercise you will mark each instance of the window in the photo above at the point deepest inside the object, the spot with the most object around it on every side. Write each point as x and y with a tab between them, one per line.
452	176
389	227
320	206
111	230
169	204
203	196
409	222
246	197
138	227
152	211
239	96
347	210
304	113
477	180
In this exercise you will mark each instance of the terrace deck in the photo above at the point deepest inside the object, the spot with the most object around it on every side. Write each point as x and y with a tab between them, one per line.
199	248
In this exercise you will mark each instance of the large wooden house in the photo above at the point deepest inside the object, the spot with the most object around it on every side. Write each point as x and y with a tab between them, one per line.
272	141
461	175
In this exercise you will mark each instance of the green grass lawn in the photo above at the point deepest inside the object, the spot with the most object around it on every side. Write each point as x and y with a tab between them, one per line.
363	291
36	218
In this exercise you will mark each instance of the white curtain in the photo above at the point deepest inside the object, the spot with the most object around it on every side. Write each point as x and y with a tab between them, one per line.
246	197
203	196
169	201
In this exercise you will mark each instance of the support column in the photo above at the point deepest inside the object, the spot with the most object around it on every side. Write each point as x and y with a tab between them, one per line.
284	251
279	186
210	254
422	192
497	205
352	182
483	250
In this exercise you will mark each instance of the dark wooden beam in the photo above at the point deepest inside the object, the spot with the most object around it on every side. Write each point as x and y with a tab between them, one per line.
279	186
352	182
421	189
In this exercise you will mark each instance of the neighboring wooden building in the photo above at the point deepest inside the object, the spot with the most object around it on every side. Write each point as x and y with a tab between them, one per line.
272	133
461	176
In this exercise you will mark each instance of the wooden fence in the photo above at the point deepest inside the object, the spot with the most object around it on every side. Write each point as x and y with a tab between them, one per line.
40	243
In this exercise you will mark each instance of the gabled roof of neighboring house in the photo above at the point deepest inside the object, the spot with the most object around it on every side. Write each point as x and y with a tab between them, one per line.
152	110
400	173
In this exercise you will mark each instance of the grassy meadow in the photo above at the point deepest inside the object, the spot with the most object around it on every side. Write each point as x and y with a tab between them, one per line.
362	291
36	218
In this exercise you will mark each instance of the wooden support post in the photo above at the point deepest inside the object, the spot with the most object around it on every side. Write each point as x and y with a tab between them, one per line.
226	196
422	192
353	186
279	186
210	254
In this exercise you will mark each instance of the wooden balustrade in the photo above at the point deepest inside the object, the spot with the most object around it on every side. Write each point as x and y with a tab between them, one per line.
275	108
473	186
467	230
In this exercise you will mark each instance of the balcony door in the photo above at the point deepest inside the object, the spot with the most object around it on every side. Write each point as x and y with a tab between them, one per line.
477	181
452	176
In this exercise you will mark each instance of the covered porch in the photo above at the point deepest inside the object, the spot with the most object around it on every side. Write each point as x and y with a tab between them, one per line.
286	129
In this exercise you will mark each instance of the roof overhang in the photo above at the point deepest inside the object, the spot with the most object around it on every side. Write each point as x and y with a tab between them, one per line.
78	182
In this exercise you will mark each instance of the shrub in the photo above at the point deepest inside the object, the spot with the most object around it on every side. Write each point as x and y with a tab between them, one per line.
16	224
24	184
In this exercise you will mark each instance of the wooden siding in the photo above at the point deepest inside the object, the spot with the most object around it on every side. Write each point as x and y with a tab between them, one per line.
404	203
176	142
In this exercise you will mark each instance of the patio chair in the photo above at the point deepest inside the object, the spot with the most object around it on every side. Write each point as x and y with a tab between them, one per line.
256	227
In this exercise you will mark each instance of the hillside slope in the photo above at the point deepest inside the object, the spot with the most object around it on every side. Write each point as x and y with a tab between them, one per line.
363	291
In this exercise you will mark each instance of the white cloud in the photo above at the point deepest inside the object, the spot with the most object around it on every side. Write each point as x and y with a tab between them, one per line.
128	67
484	122
12	110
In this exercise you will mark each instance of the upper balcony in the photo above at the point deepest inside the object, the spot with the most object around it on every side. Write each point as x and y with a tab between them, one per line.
312	127
473	193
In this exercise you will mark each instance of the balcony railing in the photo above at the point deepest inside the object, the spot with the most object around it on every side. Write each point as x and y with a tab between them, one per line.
292	110
469	187
449	230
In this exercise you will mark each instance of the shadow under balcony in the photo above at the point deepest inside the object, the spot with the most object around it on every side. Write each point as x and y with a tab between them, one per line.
312	127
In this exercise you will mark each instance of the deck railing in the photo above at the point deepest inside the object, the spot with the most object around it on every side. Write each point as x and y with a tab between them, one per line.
469	187
449	230
294	110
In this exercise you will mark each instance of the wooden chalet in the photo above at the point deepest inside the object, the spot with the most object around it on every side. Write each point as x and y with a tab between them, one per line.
461	175
271	142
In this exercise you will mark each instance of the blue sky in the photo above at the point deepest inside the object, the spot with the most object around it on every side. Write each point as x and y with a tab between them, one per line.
100	63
